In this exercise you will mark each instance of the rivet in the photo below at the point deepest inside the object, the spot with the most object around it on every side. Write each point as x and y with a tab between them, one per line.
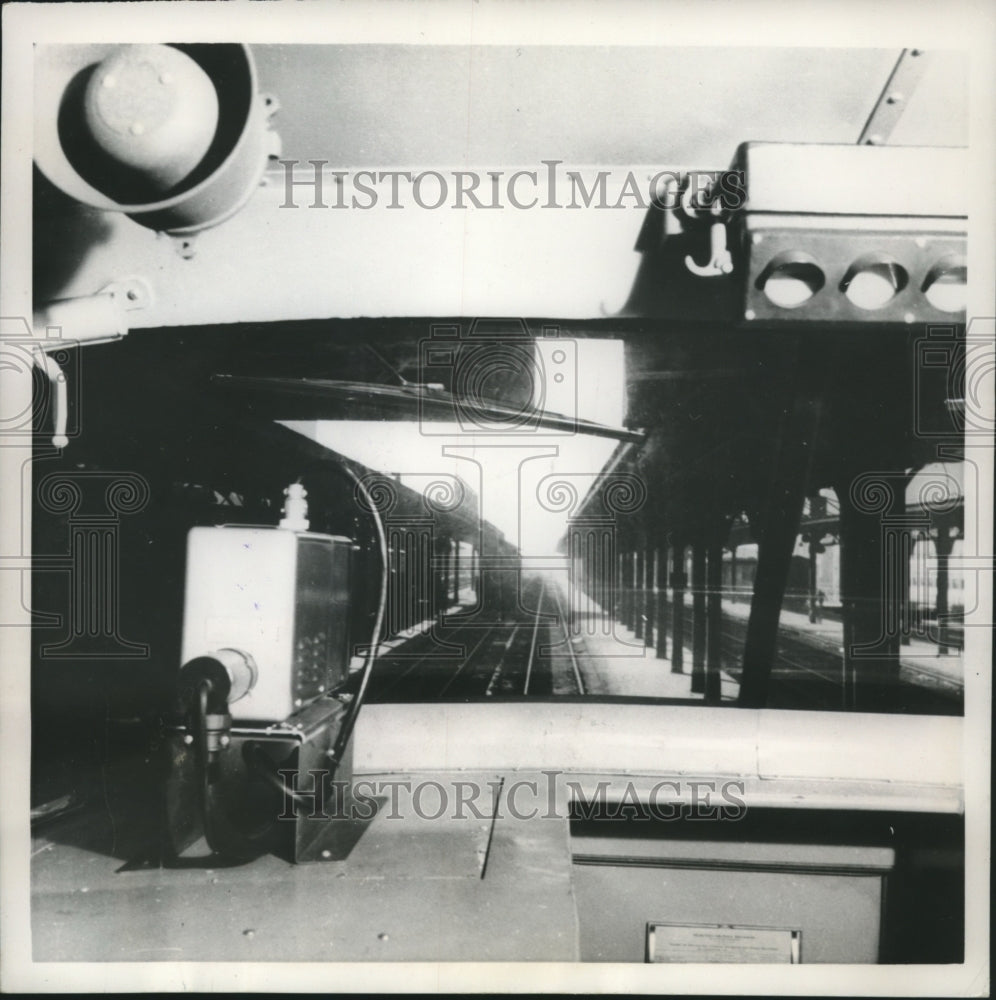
894	98
166	78
108	81
326	854
249	933
188	739
750	314
383	937
909	317
137	128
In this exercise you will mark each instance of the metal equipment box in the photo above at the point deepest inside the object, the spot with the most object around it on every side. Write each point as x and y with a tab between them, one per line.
712	901
279	595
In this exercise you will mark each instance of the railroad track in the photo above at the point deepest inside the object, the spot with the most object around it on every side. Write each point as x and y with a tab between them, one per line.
532	656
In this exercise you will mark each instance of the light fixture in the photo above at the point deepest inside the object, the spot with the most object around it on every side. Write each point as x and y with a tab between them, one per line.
174	136
149	111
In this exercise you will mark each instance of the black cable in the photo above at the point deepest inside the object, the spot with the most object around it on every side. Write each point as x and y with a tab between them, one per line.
354	709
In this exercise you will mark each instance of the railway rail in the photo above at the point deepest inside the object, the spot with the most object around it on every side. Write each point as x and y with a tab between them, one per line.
529	655
533	655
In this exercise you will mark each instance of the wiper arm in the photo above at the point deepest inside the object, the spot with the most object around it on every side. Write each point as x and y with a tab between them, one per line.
426	401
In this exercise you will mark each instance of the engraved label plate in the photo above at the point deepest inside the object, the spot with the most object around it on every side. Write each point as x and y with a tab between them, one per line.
722	943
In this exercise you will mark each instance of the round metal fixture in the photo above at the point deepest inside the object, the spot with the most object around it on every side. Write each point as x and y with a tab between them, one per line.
151	109
174	136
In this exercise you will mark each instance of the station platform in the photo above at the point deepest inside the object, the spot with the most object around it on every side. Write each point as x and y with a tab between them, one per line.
615	662
923	661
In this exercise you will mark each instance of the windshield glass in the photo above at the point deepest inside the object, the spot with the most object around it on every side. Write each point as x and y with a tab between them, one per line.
644	516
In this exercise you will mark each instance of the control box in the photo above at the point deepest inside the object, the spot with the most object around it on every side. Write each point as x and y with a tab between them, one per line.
280	596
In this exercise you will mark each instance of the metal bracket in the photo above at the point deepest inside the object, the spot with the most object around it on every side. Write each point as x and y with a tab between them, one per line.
130	293
91	319
895	96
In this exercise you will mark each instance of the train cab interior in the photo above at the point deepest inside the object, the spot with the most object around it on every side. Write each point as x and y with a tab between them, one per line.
480	512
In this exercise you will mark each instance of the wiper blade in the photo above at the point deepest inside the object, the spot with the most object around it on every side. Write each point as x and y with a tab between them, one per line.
423	401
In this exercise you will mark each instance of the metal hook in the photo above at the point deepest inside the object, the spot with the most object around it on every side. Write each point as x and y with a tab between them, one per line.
720	261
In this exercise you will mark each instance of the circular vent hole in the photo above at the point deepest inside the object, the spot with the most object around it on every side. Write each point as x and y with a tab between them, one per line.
873	282
791	280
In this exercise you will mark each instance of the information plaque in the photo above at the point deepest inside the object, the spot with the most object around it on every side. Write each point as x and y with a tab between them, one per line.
722	943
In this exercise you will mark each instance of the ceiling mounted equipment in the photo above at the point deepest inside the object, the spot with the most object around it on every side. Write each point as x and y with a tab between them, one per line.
852	234
174	136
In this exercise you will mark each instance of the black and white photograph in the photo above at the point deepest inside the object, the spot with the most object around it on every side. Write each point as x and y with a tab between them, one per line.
497	497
